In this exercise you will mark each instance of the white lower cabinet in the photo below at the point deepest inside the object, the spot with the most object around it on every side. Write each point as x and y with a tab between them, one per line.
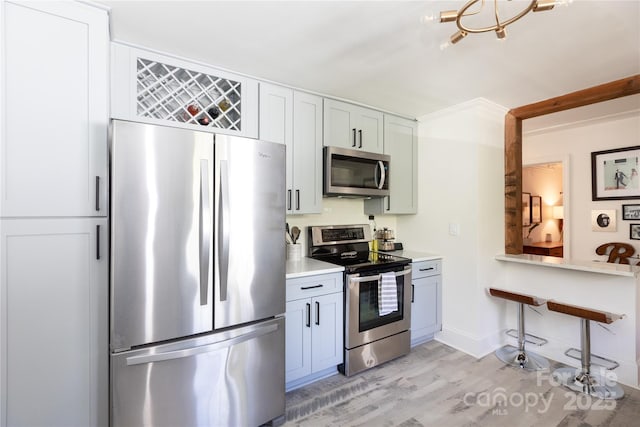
426	301
54	329
314	328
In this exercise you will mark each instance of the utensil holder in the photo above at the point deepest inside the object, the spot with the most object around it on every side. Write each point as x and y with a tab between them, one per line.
294	251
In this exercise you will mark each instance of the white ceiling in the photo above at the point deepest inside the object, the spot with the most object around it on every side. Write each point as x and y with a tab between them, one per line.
383	54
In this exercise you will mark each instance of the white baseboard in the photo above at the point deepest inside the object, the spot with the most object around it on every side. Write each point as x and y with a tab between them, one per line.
473	345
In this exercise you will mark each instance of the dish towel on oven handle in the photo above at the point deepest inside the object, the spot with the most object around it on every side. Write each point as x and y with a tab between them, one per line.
387	293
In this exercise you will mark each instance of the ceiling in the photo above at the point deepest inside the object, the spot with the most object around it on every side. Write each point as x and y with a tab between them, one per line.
384	54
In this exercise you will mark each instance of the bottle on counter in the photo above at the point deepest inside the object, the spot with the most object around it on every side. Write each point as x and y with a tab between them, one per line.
373	245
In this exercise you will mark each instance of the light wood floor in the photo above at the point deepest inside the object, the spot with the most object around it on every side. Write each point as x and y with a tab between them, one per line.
436	385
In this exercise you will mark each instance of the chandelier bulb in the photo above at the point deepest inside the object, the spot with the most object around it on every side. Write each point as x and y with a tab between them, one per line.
428	17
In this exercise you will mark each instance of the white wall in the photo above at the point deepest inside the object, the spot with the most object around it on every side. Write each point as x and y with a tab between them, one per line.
577	141
461	183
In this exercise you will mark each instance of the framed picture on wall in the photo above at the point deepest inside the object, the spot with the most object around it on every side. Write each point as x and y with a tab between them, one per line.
603	220
631	212
526	209
536	209
614	174
634	231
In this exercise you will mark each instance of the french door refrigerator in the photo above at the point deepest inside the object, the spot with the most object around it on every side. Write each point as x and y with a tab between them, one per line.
197	278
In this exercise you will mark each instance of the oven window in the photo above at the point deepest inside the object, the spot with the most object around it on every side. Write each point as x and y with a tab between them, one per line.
369	314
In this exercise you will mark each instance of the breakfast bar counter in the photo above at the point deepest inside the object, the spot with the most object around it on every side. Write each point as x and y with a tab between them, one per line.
596	285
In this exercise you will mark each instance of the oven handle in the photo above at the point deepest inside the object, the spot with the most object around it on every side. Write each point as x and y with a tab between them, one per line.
377	276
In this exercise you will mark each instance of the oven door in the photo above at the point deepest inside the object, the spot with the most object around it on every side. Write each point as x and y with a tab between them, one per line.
363	323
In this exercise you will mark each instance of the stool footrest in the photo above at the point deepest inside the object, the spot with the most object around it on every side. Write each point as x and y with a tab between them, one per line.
608	364
528	338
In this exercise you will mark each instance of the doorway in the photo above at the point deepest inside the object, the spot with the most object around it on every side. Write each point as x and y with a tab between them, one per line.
544	227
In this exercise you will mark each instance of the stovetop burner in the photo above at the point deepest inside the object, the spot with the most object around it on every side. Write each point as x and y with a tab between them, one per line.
348	246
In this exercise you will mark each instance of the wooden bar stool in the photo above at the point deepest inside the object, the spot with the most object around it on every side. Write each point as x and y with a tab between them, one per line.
518	356
582	380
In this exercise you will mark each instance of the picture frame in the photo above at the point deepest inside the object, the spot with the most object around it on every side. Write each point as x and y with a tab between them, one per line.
634	231
615	174
631	212
526	209
603	220
536	209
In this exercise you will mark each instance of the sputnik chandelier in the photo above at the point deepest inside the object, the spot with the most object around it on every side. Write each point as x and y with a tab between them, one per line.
500	24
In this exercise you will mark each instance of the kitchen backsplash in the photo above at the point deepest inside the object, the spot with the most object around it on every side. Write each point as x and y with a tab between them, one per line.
338	211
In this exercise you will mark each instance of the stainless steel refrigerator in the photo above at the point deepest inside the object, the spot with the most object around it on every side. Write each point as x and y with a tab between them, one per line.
197	278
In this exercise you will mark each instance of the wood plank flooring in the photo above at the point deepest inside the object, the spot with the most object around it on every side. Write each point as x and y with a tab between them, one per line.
436	385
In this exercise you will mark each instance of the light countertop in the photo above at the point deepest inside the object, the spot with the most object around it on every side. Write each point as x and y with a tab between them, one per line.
308	267
414	256
588	266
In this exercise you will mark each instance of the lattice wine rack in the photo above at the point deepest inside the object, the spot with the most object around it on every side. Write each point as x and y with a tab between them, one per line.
172	93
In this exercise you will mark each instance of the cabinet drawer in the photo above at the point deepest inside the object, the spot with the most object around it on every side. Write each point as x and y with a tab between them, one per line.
310	286
426	268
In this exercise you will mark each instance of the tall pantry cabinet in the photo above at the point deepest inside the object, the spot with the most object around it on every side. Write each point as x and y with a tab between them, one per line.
53	214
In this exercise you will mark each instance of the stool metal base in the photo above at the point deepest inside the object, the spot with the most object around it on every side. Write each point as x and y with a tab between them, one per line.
594	385
522	359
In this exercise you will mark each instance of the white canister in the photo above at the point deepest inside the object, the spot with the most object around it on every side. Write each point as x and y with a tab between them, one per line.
294	251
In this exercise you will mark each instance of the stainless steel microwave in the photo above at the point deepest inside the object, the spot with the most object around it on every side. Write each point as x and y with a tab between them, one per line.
354	173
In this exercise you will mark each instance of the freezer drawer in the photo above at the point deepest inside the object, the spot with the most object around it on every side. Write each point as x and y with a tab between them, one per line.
231	378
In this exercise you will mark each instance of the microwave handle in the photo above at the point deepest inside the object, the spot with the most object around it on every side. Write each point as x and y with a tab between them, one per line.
383	175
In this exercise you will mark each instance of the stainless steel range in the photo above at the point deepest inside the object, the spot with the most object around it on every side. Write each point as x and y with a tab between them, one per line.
377	289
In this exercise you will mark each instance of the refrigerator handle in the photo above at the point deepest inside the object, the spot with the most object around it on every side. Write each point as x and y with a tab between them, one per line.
194	351
205	231
223	230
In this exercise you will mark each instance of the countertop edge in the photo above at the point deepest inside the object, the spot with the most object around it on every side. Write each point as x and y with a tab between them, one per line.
414	256
310	267
585	266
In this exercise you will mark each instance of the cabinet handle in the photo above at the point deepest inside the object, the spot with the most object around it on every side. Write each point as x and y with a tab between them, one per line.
426	269
413	291
308	315
360	135
97	193
317	313
311	287
288	200
354	137
297	200
388	203
97	242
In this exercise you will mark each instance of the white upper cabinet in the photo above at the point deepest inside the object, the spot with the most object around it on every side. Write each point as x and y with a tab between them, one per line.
161	89
295	119
401	143
54	111
351	126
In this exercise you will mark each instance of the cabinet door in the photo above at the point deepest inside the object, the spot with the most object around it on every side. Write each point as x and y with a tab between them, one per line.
297	339
370	134
401	143
307	153
276	125
340	124
426	316
53	153
159	89
327	334
54	294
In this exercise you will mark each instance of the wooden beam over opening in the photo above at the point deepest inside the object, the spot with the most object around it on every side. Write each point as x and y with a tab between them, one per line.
513	145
